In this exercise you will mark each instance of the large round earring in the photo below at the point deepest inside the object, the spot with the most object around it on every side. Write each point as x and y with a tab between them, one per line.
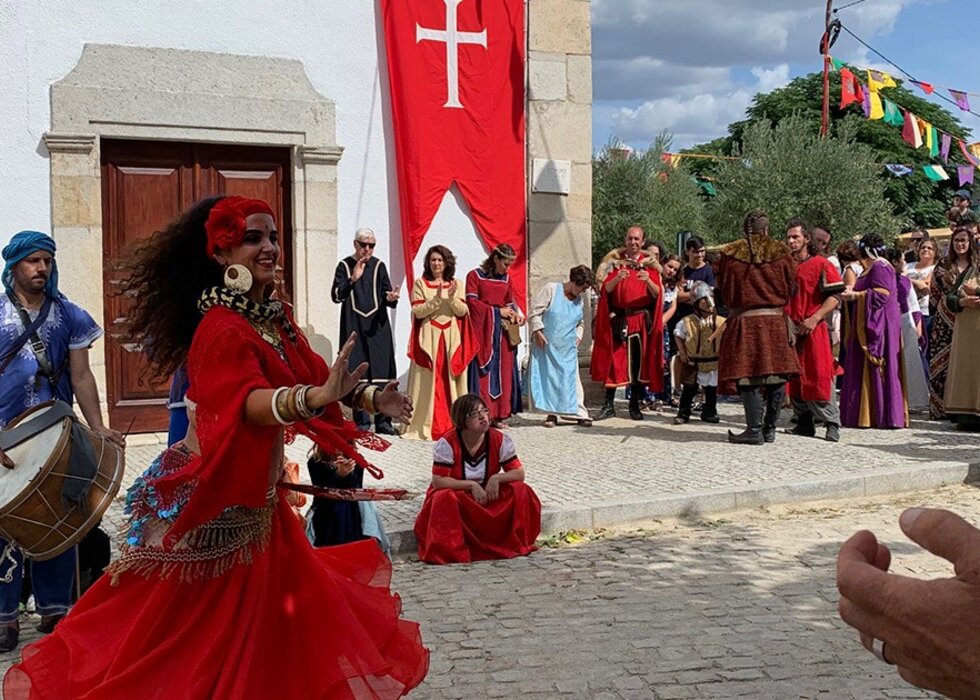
238	278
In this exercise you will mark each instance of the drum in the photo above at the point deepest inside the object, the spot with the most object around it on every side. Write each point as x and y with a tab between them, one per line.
32	511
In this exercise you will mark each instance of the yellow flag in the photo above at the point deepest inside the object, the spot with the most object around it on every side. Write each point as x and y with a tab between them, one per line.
925	128
877	110
878	80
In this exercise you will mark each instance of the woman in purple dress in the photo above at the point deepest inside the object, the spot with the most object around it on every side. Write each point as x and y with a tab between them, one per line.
873	394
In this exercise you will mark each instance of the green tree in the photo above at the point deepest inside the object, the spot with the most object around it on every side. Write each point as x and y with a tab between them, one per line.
915	199
639	189
788	171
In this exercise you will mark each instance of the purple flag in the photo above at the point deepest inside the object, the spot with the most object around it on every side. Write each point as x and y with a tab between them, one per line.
944	150
866	105
965	173
961	100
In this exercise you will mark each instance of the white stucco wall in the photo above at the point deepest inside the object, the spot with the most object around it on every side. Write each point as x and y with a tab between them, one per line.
338	43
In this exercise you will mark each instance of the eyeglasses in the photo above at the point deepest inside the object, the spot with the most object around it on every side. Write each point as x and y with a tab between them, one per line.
477	412
366	245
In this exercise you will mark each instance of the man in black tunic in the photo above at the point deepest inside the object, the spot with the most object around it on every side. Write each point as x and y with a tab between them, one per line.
363	290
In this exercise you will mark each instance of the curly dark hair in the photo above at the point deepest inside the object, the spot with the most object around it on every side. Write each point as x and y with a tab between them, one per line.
501	252
448	272
166	277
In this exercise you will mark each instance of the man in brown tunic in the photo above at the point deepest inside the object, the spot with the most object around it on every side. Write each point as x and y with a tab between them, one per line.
756	276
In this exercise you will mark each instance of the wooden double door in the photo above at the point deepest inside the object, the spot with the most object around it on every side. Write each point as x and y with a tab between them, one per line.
145	185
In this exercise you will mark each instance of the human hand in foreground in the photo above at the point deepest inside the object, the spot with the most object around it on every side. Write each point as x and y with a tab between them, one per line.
479	495
392	295
343	465
5	460
539	339
930	629
394	403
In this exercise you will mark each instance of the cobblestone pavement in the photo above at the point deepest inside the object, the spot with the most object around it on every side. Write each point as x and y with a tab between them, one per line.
737	606
620	460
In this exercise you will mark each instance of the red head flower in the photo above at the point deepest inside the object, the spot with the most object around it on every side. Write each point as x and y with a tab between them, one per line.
226	221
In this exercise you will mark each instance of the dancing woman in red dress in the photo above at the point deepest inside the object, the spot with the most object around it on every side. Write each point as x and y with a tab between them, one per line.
218	594
478	506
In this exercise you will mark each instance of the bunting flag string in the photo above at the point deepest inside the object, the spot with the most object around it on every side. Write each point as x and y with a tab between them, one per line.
673	159
965	174
916	131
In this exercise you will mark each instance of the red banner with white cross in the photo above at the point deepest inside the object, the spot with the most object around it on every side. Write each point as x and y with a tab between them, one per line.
456	76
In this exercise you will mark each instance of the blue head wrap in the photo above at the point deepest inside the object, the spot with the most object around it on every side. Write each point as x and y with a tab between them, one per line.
21	246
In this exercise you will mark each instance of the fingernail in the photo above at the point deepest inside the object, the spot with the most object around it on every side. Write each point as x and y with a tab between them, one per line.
908	518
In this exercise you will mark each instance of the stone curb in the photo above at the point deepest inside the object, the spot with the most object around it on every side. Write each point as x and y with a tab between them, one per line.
732	498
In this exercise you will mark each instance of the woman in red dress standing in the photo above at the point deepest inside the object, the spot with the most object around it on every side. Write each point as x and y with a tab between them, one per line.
478	506
494	371
218	594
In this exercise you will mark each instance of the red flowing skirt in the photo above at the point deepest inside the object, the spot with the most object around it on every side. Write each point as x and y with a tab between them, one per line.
453	528
296	622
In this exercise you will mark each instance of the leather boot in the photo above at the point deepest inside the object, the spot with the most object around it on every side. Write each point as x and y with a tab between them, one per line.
687	401
774	402
637	392
804	426
608	410
752	403
9	637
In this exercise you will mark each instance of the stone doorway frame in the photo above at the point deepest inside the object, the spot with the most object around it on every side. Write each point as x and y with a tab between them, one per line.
129	92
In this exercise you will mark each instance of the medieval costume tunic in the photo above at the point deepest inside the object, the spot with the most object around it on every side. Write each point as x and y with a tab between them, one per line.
555	383
757	283
453	528
915	375
873	392
364	310
944	279
441	347
812	393
218	594
494	371
962	397
628	346
698	332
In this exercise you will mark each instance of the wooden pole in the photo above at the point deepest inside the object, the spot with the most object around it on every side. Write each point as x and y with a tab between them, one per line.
825	121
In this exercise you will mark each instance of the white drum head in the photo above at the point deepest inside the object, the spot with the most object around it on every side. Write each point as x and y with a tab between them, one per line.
29	459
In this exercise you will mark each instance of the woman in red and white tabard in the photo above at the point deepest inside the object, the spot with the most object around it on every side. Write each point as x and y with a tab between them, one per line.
478	506
218	593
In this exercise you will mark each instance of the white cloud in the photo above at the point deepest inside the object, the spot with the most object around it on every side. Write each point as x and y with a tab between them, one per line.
684	65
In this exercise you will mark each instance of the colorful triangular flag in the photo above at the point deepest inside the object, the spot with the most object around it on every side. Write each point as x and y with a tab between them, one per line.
944	150
898	170
970	158
936	173
927	88
893	115
877	111
910	132
965	174
925	128
933	141
962	101
878	80
848	93
837	64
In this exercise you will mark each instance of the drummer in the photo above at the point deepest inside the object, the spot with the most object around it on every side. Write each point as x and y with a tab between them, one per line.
32	371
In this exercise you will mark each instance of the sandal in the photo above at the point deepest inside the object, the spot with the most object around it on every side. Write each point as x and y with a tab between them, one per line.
585	422
550	422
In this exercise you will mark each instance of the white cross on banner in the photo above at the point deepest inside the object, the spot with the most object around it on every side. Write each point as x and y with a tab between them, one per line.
452	38
459	124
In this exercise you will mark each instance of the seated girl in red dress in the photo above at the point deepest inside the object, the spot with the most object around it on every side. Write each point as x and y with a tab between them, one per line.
478	506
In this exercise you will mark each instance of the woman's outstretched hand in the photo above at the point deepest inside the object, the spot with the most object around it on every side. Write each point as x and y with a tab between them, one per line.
341	381
394	403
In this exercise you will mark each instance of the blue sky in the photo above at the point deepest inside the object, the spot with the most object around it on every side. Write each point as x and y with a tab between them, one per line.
692	66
